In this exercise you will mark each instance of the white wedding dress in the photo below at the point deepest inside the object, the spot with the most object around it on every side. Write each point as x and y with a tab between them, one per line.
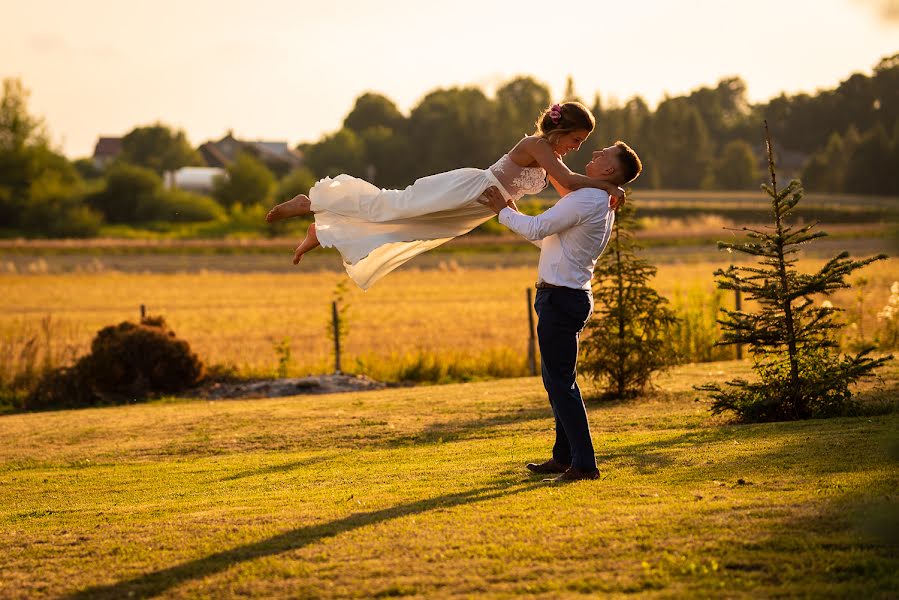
377	230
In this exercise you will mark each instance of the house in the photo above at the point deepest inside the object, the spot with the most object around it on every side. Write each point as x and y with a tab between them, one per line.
106	150
276	155
194	179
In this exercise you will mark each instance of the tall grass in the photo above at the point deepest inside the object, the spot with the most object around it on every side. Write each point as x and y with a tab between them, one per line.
434	326
698	307
28	349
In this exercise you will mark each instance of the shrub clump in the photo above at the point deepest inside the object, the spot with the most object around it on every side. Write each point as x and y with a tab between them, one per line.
128	361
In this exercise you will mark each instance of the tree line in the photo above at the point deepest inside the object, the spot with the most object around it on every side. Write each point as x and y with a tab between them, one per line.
844	139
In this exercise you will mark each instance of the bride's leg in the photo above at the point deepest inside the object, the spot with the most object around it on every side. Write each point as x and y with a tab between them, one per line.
309	243
296	206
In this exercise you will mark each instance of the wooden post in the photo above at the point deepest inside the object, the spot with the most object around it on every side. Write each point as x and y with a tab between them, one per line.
143	312
532	344
738	305
335	321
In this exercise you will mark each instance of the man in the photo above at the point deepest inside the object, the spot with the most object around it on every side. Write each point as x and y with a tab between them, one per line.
572	236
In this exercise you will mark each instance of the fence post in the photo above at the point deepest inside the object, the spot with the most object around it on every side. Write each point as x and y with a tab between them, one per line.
738	305
335	321
143	312
532	350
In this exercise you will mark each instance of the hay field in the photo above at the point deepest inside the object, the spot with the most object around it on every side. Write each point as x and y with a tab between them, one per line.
459	315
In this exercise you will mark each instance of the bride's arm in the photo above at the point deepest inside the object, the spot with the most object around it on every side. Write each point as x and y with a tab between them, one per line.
560	189
560	175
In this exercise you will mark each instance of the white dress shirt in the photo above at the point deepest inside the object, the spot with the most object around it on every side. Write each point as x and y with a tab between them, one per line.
572	235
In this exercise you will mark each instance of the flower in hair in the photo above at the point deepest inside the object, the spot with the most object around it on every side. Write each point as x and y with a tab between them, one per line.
555	113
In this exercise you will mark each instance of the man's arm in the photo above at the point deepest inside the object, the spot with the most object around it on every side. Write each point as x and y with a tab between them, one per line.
560	217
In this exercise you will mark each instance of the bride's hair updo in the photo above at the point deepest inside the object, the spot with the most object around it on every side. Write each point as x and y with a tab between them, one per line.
559	119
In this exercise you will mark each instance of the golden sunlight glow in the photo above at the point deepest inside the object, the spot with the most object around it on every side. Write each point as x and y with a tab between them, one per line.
290	70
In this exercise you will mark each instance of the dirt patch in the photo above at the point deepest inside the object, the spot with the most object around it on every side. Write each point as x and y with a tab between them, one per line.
273	388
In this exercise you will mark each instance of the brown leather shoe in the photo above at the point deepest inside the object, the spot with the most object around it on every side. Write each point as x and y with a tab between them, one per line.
550	466
573	474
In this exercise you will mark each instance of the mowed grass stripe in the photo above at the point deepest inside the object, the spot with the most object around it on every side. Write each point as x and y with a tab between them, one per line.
422	492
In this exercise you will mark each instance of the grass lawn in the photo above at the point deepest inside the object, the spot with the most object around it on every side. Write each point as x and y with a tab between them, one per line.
422	492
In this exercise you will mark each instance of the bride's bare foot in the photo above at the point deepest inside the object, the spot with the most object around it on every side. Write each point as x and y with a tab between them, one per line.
296	206
310	242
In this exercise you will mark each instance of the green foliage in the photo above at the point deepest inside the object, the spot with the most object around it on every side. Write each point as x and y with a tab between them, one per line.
872	167
690	141
819	388
298	181
86	168
518	104
127	187
736	168
178	206
282	351
31	173
790	338
374	110
338	334
249	181
127	361
628	338
888	316
340	152
453	128
56	209
389	159
680	138
695	331
159	148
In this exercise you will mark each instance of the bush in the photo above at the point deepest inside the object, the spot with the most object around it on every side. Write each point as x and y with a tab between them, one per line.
821	389
178	206
55	209
127	187
127	361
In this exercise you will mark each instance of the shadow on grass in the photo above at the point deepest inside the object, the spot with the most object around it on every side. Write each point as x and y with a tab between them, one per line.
282	468
157	582
451	431
435	433
809	448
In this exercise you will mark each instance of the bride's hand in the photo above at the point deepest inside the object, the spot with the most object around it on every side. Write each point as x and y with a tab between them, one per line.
617	198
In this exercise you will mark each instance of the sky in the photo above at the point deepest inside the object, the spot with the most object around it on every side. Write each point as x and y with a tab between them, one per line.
291	69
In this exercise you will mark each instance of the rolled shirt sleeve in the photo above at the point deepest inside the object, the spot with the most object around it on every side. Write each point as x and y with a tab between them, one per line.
564	215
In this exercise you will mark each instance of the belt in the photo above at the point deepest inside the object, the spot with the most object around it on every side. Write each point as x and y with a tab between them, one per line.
542	285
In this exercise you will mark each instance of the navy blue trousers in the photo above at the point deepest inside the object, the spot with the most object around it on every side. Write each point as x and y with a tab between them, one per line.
562	314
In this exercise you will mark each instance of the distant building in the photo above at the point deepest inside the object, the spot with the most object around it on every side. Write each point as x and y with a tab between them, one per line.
194	179
276	155
106	150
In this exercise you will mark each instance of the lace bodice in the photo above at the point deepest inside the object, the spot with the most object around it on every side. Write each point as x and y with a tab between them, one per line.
518	181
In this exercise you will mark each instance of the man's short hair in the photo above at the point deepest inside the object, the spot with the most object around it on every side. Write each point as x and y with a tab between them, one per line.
631	166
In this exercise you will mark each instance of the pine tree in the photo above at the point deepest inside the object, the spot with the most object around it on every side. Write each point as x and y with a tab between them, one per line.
626	341
801	373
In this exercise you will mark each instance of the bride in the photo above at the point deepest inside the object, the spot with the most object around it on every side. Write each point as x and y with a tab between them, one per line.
377	230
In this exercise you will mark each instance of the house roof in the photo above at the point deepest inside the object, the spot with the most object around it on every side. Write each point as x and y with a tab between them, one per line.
213	156
225	150
108	147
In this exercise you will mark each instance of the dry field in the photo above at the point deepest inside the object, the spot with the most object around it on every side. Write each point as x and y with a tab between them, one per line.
467	316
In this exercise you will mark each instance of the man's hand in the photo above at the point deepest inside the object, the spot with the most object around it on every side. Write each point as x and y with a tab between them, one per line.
617	199
493	199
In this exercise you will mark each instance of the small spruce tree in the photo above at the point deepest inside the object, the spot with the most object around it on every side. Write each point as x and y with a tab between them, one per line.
626	340
801	372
